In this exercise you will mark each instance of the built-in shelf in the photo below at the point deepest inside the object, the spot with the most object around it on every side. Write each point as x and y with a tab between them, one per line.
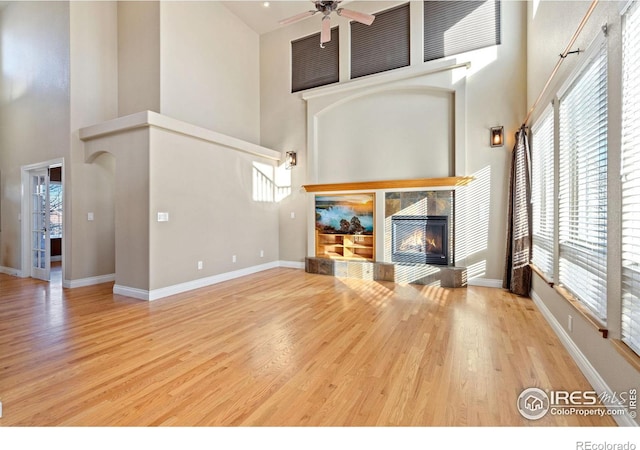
345	246
389	184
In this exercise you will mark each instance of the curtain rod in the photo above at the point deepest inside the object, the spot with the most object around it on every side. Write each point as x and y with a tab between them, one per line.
563	55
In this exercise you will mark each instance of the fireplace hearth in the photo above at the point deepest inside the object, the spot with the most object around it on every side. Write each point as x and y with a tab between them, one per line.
420	239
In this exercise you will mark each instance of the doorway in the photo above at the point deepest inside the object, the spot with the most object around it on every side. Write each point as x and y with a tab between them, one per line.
42	221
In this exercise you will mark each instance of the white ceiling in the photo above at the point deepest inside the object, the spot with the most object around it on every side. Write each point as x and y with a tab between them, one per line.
265	19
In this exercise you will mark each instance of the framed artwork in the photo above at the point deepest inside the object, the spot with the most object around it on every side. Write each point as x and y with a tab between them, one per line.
345	213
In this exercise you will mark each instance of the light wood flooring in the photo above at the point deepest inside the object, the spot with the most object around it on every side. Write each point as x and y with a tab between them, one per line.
278	348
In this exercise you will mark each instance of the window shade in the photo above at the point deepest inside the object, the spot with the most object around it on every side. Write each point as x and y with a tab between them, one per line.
542	198
381	46
583	184
631	179
453	27
312	66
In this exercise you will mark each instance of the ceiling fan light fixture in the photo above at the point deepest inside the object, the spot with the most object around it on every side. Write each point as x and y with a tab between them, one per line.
326	7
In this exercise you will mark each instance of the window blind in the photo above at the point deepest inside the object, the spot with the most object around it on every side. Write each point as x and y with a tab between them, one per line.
383	45
453	27
312	66
631	178
583	184
542	198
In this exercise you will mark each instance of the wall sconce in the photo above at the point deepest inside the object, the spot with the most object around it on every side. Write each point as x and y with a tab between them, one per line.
290	160
497	136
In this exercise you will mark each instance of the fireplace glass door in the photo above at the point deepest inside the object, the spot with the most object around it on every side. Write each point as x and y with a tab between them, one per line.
419	239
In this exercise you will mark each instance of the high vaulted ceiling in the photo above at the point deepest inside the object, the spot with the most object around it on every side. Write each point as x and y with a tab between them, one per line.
265	19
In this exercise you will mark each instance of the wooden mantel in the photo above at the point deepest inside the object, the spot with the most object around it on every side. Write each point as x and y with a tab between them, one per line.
389	184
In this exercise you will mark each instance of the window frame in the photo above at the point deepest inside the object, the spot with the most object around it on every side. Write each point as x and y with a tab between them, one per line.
629	266
578	248
548	180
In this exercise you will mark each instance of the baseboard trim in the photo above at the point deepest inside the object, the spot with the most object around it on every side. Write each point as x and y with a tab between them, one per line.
587	369
156	294
11	271
484	282
140	294
291	264
90	281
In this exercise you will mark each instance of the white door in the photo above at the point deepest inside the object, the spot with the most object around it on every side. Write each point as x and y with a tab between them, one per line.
40	242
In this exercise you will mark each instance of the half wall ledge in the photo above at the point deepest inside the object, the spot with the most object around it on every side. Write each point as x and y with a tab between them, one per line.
152	119
390	184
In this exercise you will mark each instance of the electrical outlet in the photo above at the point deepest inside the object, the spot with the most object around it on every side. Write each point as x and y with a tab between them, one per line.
570	323
261	253
200	265
293	215
233	258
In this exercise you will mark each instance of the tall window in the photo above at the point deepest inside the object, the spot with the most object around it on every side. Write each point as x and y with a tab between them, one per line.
583	184
542	192
631	179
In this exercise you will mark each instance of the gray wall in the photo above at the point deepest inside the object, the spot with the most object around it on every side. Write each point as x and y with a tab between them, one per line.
90	245
209	69
207	191
34	104
138	57
71	65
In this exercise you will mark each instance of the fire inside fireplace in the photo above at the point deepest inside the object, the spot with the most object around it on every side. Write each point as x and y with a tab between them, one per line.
419	239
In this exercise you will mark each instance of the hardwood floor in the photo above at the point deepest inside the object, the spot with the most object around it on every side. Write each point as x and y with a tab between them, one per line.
278	348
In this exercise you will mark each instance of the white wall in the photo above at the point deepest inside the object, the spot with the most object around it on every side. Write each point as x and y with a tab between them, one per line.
210	69
495	94
34	103
387	135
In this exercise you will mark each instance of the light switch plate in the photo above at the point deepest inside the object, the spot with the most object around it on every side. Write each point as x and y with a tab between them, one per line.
90	217
163	217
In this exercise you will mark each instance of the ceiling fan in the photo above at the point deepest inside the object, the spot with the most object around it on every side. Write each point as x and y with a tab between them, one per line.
326	7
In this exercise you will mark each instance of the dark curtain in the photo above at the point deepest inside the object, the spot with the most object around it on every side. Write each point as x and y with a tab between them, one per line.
517	273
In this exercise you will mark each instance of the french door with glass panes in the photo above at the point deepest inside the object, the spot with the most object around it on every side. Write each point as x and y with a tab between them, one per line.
40	242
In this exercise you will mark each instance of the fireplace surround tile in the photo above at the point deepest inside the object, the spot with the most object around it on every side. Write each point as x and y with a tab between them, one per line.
444	276
392	206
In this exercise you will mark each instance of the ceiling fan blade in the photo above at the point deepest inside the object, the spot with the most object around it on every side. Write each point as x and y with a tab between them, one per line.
366	19
297	17
325	35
